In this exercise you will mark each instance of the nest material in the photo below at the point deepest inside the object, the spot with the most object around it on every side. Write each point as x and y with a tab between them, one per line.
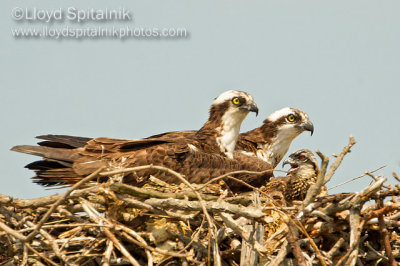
162	224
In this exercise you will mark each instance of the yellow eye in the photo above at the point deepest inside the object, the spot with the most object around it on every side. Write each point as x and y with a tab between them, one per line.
236	100
290	118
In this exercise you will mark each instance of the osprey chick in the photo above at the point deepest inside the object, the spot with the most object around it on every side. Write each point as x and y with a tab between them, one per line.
302	174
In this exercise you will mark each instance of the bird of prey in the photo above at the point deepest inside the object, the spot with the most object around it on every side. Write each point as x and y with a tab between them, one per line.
271	140
302	174
207	154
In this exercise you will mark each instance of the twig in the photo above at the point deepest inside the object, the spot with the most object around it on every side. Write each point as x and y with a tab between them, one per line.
201	201
169	171
228	220
120	247
95	217
339	160
382	211
146	193
375	251
283	251
314	190
292	238
107	253
396	176
59	201
230	175
145	246
344	259
355	232
336	248
140	239
354	199
301	228
358	177
25	256
45	201
248	212
12	232
52	243
142	205
40	255
384	235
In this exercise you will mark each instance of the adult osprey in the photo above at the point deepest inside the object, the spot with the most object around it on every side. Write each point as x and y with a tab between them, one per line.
207	154
302	174
271	140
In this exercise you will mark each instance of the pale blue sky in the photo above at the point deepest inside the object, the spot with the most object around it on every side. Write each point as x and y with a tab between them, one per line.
339	61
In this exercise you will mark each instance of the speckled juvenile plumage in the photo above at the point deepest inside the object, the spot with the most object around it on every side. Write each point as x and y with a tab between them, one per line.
303	172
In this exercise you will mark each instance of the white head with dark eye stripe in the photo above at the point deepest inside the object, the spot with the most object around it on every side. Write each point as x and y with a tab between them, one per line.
290	118
280	129
227	114
236	101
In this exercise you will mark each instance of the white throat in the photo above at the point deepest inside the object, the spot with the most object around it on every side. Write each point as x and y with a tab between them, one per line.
229	131
275	151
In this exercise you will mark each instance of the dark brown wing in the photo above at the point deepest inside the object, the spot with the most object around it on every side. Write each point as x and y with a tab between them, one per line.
197	167
174	135
205	141
247	145
247	141
63	141
109	145
61	166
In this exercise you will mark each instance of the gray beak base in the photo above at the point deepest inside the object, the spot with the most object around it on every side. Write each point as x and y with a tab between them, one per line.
253	108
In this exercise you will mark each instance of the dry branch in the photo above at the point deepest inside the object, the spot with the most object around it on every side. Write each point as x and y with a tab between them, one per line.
118	224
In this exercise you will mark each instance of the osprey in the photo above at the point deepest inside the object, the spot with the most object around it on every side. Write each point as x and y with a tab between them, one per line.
207	154
269	142
302	174
219	134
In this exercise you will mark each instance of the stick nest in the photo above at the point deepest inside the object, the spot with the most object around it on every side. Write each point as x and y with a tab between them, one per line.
187	224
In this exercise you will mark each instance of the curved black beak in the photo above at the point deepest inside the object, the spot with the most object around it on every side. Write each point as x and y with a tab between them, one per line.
309	127
251	107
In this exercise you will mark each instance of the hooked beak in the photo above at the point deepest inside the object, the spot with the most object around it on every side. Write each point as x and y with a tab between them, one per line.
308	126
289	160
251	107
